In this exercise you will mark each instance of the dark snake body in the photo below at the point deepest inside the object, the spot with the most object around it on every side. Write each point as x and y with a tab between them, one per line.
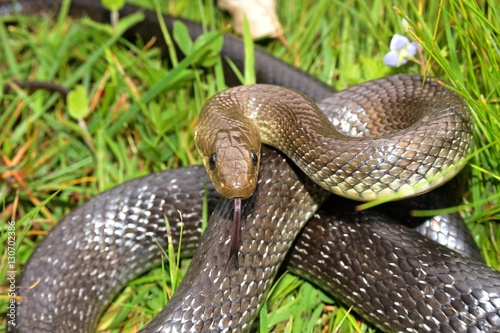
390	274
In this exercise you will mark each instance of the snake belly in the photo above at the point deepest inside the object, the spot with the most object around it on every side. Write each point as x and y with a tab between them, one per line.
418	286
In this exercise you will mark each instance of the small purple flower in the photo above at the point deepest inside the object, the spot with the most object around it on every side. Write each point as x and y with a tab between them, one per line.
401	50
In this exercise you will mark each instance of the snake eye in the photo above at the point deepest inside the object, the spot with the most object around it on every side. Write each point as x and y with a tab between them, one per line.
255	158
211	161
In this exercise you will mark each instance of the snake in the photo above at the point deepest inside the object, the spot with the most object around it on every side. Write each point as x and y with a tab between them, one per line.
390	274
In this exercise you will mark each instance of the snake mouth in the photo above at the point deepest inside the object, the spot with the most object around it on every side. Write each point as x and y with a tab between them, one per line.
235	192
235	235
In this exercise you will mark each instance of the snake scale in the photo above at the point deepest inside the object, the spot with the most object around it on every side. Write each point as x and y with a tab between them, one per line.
390	274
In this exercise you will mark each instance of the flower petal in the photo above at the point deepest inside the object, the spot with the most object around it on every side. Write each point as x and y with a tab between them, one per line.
398	42
411	49
405	24
393	59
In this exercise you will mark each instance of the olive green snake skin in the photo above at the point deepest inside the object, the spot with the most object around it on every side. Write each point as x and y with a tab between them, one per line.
390	274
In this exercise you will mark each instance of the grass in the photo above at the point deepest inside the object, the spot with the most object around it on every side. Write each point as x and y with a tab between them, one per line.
141	117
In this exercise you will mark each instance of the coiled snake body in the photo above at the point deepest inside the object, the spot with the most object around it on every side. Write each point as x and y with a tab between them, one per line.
390	274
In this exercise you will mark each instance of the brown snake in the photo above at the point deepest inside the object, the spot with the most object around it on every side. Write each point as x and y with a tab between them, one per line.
411	284
410	136
405	143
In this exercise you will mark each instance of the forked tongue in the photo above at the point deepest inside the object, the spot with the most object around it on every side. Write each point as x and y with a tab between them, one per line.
235	236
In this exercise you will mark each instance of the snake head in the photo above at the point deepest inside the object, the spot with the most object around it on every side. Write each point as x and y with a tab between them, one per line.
231	158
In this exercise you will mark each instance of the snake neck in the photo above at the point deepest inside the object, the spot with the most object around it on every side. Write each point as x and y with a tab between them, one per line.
407	158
